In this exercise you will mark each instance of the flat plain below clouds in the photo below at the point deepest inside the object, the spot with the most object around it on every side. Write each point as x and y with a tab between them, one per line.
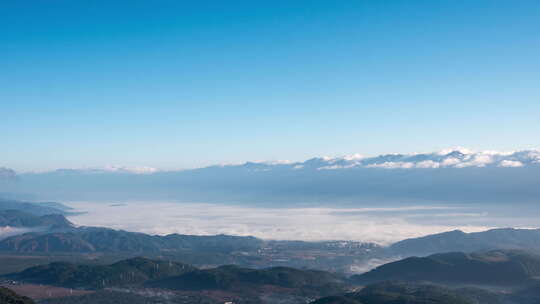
381	225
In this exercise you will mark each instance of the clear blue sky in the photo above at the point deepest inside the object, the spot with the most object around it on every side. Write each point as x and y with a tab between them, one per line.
179	84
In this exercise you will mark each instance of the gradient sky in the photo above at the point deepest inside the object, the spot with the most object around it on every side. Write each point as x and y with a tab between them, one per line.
179	84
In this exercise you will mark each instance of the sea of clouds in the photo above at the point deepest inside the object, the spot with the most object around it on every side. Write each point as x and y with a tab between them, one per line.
382	225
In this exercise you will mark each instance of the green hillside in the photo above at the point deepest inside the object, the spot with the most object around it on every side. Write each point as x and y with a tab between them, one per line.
17	218
488	268
97	239
233	277
399	293
127	272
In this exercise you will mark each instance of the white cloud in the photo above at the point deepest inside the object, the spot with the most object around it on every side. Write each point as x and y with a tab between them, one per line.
136	170
334	167
112	169
8	231
534	156
442	159
511	163
498	153
352	157
370	264
479	160
392	165
382	225
428	164
451	161
274	162
445	158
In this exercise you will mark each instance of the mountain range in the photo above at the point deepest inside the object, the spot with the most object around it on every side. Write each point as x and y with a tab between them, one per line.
7	174
123	273
16	218
142	272
97	239
446	176
449	158
504	238
37	209
448	278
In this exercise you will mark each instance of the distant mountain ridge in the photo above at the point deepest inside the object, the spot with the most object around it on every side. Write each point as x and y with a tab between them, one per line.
504	238
449	176
450	158
96	239
16	218
38	209
7	174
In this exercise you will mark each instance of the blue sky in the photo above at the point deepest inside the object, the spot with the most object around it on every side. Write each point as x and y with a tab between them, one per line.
179	84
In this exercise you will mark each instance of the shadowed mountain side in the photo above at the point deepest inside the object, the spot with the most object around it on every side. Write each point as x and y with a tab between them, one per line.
16	218
95	239
139	272
9	297
110	297
527	295
127	272
233	277
50	242
37	209
503	268
405	293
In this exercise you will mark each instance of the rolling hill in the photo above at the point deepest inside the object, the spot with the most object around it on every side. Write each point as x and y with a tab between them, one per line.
17	218
37	209
402	293
506	238
97	239
503	268
233	277
159	274
127	272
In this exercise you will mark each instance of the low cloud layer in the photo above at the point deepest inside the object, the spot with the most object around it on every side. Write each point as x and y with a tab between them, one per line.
8	231
373	224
